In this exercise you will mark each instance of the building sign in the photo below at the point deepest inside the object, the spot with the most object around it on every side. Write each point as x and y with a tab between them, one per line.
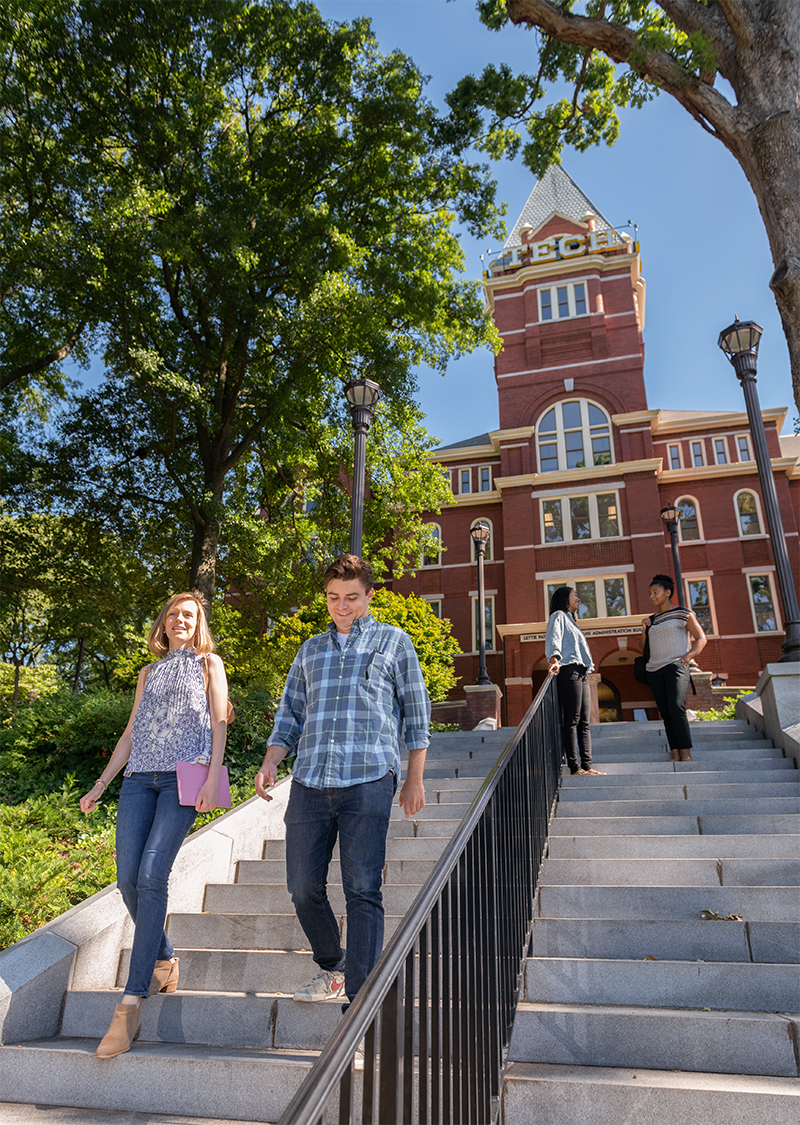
555	248
618	631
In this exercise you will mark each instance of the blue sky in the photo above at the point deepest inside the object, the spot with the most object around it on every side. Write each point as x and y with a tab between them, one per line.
704	249
703	246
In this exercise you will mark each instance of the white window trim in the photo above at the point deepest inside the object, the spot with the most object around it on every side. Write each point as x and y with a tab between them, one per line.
464	491
473	617
553	290
764	572
432	566
737	438
726	450
594	576
488	469
679	447
692	444
754	494
687	578
488	554
586	432
701	539
432	599
566	519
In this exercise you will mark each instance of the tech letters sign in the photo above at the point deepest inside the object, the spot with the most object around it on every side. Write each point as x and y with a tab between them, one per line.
555	248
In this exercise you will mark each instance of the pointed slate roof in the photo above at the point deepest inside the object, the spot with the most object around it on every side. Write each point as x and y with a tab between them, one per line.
479	439
556	191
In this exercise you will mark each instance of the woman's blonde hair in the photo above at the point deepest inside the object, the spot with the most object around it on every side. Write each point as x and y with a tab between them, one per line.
157	640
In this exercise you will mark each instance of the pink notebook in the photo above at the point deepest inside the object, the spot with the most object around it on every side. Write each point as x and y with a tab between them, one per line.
191	779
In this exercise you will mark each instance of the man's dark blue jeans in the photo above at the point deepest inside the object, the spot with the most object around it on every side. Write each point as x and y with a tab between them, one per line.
359	816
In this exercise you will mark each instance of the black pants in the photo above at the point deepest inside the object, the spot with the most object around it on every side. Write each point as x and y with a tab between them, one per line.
668	686
575	697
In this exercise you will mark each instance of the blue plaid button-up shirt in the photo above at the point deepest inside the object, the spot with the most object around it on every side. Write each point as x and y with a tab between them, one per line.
345	710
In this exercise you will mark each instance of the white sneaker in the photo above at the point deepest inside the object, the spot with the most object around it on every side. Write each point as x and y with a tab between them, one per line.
324	986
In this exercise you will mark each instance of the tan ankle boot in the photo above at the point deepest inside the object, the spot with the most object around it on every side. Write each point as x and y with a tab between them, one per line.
126	1023
165	976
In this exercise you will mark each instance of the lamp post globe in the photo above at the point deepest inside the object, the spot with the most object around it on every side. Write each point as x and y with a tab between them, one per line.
672	515
481	533
739	341
362	397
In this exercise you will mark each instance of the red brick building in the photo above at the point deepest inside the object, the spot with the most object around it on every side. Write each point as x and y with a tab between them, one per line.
573	481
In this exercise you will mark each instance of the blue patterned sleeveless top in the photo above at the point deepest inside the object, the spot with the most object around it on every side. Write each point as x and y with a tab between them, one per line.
172	723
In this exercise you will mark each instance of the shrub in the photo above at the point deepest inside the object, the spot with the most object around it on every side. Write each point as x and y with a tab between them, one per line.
726	712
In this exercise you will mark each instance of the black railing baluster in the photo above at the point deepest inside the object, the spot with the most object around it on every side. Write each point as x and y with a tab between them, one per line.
450	978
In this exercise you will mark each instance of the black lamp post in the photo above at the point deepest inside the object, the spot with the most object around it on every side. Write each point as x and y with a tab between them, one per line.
672	517
740	342
363	396
480	537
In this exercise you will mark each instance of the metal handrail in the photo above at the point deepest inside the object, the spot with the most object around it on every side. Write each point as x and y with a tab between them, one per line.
457	958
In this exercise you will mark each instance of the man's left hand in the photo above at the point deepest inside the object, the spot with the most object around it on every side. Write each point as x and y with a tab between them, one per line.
412	797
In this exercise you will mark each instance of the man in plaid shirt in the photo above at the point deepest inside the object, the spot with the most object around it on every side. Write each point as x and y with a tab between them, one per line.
350	695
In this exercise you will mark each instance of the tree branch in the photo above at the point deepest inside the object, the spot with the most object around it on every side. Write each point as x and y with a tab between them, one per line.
619	43
55	356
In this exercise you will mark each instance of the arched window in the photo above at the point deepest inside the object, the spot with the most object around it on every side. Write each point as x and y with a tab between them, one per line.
747	510
574	435
432	557
488	553
689	525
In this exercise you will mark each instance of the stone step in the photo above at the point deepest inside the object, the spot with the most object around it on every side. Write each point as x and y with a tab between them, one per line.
669	777
766	824
665	1039
548	1094
677	847
453	810
665	766
735	986
417	826
236	970
766	904
671	872
269	898
230	1083
698	789
397	847
274	871
730	806
705	752
249	931
760	942
222	1019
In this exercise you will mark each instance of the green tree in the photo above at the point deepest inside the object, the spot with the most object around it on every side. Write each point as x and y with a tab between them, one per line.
250	207
435	646
623	52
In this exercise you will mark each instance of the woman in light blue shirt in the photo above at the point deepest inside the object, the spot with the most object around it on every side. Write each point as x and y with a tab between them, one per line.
569	658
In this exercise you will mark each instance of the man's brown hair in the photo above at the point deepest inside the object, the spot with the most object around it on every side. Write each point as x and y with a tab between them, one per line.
348	568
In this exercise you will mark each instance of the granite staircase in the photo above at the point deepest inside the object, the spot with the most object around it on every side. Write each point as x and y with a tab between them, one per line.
231	1043
640	1000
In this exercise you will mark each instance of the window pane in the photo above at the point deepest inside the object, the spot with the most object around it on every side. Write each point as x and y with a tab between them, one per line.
580	300
588	596
744	448
762	603
487	623
466	482
722	458
601	450
486	484
431	558
579	515
549	458
563	302
607	514
697	454
572	415
699	602
689	527
553	526
436	608
551	589
674	457
548	423
547	311
574	446
596	416
615	597
748	514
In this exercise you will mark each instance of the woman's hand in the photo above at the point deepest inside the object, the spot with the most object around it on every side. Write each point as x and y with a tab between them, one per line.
207	797
553	668
89	800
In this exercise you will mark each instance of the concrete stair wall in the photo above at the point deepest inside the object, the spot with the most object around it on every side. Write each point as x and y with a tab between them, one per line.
633	1003
231	1043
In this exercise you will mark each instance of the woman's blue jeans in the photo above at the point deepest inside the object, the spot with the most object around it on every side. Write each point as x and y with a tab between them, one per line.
359	815
151	826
